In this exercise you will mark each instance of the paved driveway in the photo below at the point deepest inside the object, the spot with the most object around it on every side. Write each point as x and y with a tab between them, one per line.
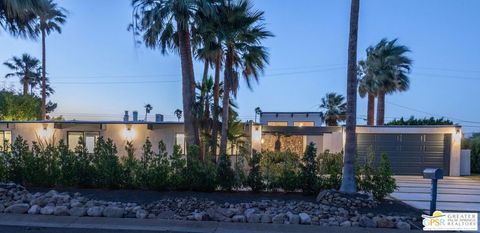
454	193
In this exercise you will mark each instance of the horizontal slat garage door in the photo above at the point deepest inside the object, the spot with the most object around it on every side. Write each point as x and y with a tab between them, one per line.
409	154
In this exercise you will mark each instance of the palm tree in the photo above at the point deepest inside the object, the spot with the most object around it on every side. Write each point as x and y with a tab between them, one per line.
148	109
258	112
367	87
335	109
36	85
167	24
348	174
242	32
50	19
387	64
24	67
17	17
178	113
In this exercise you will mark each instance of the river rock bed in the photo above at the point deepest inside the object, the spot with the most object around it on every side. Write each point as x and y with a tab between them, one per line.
331	209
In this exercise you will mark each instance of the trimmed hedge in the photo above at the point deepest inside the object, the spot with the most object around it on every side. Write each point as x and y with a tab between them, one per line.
49	166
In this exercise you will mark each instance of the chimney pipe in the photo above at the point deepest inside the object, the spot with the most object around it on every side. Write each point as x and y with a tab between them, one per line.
125	117
135	116
158	118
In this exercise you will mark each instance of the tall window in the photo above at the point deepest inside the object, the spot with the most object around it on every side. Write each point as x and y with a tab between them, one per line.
304	123
277	123
180	141
89	138
5	139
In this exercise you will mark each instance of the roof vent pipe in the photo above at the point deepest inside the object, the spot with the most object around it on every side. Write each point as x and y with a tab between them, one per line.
158	118
135	116
125	117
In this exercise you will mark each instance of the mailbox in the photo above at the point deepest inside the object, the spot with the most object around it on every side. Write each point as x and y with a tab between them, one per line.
433	173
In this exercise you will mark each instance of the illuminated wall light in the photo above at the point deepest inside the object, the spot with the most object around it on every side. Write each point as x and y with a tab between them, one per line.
262	141
45	133
129	133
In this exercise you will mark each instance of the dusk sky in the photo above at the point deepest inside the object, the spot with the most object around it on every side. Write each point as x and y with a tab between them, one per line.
98	72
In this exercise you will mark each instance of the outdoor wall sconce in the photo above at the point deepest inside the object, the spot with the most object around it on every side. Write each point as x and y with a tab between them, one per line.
45	132
129	133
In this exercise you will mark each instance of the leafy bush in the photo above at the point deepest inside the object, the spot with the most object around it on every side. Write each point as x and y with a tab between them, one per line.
85	173
255	179
201	175
473	144
178	168
130	168
375	178
280	170
159	168
225	173
107	165
330	168
309	182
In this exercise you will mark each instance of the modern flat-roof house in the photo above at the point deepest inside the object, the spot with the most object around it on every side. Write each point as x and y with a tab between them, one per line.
171	133
409	148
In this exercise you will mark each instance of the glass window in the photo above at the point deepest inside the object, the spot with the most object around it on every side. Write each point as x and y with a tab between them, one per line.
277	123
304	123
90	138
5	139
180	140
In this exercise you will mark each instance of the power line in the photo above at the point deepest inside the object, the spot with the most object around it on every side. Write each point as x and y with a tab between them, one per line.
431	114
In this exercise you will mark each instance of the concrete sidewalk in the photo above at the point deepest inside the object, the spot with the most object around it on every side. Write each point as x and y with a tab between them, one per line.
90	224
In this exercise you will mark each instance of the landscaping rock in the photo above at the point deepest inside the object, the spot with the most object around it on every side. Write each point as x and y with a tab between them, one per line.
253	218
78	211
305	218
17	208
35	209
293	218
385	223
113	212
61	211
279	218
95	211
47	210
265	218
141	213
346	224
239	218
365	221
403	225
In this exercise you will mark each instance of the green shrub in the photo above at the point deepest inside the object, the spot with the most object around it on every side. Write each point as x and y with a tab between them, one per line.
255	179
178	167
67	163
159	169
375	178
280	170
383	179
239	170
85	173
225	173
201	175
16	160
130	168
107	166
309	182
474	145
330	168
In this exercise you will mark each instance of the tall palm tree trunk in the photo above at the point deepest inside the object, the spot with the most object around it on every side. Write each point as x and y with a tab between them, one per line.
348	178
188	80
44	74
216	97
371	109
381	108
25	85
226	100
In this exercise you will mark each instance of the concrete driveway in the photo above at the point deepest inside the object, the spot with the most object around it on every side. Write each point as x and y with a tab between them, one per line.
454	193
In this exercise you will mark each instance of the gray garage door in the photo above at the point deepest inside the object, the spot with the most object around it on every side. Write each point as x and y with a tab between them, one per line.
409	154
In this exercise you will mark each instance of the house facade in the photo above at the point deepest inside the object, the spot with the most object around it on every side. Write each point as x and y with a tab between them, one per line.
409	148
121	132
